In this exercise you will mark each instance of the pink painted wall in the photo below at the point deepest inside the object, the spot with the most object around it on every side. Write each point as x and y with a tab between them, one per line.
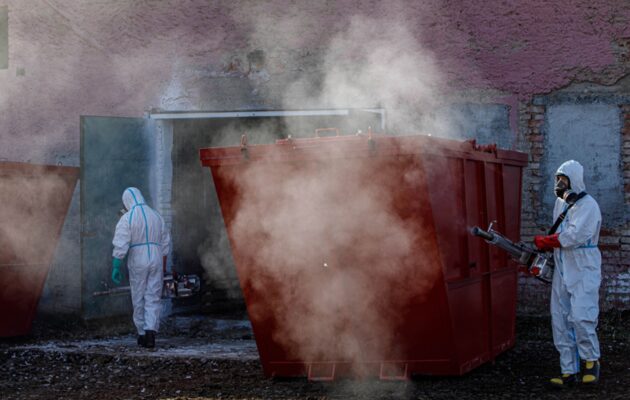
122	57
529	47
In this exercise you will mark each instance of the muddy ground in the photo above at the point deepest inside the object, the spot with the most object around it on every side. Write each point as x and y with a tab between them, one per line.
201	357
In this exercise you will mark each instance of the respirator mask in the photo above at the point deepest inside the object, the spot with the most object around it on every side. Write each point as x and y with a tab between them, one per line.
563	190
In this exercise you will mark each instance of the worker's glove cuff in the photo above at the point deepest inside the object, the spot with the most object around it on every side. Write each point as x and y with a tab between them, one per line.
548	242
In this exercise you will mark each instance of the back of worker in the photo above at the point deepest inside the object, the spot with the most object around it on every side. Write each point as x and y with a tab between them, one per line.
142	234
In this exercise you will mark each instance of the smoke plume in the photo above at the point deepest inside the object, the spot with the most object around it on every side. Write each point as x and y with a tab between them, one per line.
334	251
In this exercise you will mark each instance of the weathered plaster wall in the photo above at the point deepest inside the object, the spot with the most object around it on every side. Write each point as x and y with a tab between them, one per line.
122	57
589	133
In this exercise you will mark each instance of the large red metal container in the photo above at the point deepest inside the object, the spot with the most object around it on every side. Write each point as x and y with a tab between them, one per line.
354	252
34	200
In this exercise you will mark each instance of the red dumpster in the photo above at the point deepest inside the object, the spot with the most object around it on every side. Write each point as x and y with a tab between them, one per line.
34	201
354	253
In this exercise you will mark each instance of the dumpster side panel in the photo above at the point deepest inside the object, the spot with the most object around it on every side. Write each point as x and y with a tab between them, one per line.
427	335
448	185
360	291
20	289
446	188
495	211
468	304
475	214
33	203
503	289
481	279
473	334
225	181
335	286
512	200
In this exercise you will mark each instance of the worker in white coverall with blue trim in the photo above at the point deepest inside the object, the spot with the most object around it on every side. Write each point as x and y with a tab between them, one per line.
141	232
577	277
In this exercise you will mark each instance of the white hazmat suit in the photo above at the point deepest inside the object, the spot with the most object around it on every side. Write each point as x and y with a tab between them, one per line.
141	232
577	277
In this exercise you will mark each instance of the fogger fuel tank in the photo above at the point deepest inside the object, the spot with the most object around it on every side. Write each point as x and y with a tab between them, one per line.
354	253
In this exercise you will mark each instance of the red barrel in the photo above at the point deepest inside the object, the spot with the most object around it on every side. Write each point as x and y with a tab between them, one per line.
354	253
34	200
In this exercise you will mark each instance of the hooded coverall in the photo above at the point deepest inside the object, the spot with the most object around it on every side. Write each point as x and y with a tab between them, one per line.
575	287
141	232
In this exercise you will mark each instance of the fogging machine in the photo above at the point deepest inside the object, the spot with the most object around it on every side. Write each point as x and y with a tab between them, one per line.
174	286
538	264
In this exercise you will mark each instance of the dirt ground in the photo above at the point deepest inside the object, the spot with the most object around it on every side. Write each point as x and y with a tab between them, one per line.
200	357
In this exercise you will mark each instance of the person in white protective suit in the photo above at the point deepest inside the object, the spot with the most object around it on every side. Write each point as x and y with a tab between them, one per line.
141	232
577	277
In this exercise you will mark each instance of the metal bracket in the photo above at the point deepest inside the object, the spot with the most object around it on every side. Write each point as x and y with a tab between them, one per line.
320	130
491	224
328	378
371	142
386	377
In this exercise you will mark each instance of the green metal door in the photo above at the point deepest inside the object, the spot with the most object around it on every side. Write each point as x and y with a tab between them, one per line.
115	154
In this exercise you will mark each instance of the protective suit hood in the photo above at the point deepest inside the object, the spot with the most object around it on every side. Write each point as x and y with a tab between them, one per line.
131	197
575	172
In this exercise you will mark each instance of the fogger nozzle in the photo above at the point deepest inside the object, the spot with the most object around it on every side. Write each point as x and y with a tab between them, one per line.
481	233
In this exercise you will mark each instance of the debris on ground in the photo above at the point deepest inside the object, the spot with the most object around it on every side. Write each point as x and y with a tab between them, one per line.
198	357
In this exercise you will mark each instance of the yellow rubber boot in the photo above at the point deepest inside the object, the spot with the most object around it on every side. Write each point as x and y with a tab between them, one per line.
564	381
591	372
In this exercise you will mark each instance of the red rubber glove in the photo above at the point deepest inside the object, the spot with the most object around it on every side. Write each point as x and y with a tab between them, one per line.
547	242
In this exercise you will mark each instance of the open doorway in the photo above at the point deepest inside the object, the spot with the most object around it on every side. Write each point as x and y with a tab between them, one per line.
159	154
200	243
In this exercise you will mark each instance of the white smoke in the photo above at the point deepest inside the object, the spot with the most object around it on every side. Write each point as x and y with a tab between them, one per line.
373	64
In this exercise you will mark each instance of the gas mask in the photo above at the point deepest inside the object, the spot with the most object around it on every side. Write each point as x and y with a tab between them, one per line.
563	191
561	188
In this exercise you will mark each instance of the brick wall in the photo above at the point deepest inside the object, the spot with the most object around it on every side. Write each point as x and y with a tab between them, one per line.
533	294
616	244
614	237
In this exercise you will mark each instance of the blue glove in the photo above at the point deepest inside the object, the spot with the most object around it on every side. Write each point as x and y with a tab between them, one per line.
116	274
